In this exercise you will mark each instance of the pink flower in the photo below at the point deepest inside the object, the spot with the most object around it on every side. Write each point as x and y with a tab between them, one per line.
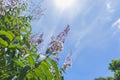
56	45
31	38
35	41
68	62
13	1
40	39
57	58
63	34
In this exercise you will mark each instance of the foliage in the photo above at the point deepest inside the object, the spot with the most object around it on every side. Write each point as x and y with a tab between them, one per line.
19	58
108	78
114	67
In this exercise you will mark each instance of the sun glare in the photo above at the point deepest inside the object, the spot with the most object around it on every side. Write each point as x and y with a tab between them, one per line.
64	4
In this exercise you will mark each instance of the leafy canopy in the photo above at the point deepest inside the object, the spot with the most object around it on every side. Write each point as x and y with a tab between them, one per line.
18	55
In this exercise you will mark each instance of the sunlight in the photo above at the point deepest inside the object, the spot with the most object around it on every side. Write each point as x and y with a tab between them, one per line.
64	4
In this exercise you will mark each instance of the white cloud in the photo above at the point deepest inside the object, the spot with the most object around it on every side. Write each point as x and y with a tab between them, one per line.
109	6
116	24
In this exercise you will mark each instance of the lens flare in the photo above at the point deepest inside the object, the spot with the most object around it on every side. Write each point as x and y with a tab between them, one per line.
64	4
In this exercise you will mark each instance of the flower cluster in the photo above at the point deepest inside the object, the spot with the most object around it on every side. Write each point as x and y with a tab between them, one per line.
61	37
7	5
14	2
67	62
39	40
34	41
34	9
56	45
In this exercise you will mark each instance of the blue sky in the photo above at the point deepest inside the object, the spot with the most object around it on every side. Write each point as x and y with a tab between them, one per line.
94	36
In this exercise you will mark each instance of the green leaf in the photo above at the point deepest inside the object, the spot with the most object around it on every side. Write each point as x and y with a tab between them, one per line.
29	76
46	69
8	34
3	42
54	65
31	61
18	38
23	72
40	74
24	30
15	46
11	33
20	63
